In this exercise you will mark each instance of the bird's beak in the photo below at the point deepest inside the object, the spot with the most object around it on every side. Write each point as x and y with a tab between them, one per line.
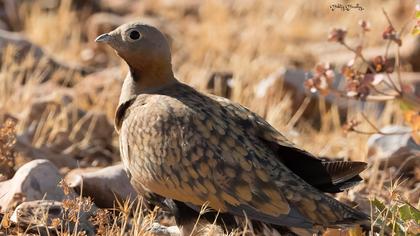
103	38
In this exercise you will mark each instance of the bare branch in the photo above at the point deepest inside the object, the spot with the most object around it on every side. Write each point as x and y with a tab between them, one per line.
373	98
359	54
387	18
394	86
377	130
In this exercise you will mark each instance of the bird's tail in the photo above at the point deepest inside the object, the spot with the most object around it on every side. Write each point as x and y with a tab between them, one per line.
343	174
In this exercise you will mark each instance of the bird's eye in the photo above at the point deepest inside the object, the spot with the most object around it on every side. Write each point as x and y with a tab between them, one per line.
134	35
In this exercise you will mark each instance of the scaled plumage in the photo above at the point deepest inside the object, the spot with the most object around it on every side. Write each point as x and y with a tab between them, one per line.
194	148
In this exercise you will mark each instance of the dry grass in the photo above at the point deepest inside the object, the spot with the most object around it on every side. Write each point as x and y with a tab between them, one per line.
252	39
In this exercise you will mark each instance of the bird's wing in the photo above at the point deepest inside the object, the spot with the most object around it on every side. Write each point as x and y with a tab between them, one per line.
326	175
195	149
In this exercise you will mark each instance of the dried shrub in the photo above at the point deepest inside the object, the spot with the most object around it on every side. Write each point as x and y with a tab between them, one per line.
7	152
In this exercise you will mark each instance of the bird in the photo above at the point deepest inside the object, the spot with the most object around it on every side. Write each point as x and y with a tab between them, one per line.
183	149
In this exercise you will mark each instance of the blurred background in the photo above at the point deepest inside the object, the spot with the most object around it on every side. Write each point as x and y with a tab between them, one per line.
59	89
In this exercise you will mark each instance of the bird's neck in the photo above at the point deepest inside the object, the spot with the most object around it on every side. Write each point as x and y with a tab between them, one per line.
150	80
151	75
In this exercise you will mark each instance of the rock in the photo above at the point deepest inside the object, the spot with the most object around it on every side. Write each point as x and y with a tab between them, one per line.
92	137
291	81
3	25
23	45
38	179
413	195
121	7
413	79
95	125
57	103
68	133
159	230
49	215
9	14
28	152
102	185
34	212
338	55
96	24
102	22
396	149
100	85
23	48
56	128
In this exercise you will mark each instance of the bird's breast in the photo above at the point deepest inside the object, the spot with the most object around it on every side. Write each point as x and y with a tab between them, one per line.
153	143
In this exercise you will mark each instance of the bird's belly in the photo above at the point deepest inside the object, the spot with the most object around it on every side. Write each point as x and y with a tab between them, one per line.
154	178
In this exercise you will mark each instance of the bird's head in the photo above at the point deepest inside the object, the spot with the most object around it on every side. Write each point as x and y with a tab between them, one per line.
144	48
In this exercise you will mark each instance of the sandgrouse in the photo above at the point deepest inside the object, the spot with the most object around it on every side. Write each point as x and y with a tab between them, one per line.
188	148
